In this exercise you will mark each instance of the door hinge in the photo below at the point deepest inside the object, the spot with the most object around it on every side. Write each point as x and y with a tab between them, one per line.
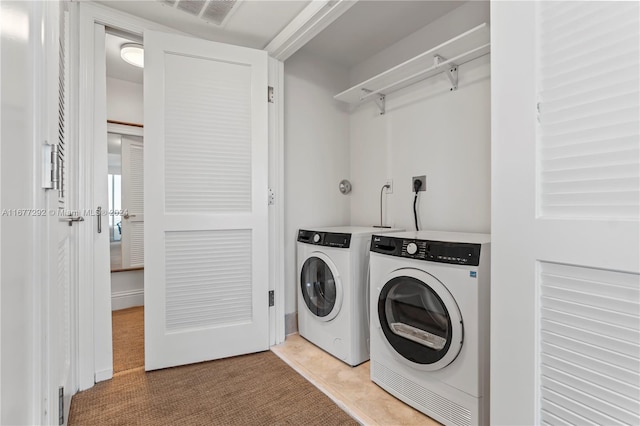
270	95
51	167
272	197
272	298
61	405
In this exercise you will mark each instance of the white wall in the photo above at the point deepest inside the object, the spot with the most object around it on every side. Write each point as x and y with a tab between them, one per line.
427	130
17	375
124	101
316	138
127	289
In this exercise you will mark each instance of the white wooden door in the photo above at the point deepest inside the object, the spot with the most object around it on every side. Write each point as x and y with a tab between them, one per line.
60	228
132	202
565	332
205	186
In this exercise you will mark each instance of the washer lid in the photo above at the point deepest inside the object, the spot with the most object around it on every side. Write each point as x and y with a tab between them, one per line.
420	319
321	286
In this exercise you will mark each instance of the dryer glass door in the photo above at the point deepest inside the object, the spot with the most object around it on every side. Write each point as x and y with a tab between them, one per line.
417	322
319	287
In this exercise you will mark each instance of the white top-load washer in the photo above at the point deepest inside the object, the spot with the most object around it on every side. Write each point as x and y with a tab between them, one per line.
430	300
332	289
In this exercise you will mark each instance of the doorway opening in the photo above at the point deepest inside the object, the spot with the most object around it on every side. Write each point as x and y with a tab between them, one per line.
125	183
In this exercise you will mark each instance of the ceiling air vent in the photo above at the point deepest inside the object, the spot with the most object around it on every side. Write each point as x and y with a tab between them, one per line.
213	11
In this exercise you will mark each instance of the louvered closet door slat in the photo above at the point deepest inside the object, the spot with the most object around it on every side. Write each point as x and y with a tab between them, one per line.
136	203
620	156
594	174
579	403
573	307
206	283
592	394
133	201
593	365
567	62
596	351
592	116
564	13
572	92
137	244
602	185
589	94
624	394
208	162
590	342
625	107
591	147
597	326
570	51
554	414
571	24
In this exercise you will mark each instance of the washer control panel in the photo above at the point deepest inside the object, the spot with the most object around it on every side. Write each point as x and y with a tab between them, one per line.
327	239
432	251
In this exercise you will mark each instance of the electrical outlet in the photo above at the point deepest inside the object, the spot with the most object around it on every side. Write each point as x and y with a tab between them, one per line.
422	179
389	189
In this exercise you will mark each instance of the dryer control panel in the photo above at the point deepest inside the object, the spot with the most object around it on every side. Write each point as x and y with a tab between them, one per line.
327	239
432	251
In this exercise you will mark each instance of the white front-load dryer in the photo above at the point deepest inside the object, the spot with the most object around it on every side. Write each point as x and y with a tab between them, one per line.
430	300
332	289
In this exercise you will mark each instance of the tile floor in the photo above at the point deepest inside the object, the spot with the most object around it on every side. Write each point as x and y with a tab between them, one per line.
349	387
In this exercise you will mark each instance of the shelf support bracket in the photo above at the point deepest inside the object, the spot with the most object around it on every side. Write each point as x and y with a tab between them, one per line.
380	100
451	71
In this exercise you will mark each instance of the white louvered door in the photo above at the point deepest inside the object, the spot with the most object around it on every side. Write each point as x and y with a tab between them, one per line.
588	212
205	186
565	332
132	202
58	312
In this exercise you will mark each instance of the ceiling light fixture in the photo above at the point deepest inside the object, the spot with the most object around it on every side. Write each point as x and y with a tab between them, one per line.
133	53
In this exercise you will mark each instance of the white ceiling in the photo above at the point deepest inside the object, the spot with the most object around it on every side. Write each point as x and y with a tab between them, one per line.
371	26
365	29
254	23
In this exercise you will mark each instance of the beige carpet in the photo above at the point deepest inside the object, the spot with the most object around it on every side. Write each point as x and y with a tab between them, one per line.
256	389
128	338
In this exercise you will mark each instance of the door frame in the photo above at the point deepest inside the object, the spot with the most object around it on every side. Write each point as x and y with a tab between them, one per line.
89	326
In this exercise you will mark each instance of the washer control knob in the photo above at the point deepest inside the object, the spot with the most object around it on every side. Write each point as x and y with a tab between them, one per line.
412	248
316	238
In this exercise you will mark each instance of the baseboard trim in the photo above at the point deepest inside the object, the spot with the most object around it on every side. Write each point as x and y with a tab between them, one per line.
291	323
127	299
103	375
